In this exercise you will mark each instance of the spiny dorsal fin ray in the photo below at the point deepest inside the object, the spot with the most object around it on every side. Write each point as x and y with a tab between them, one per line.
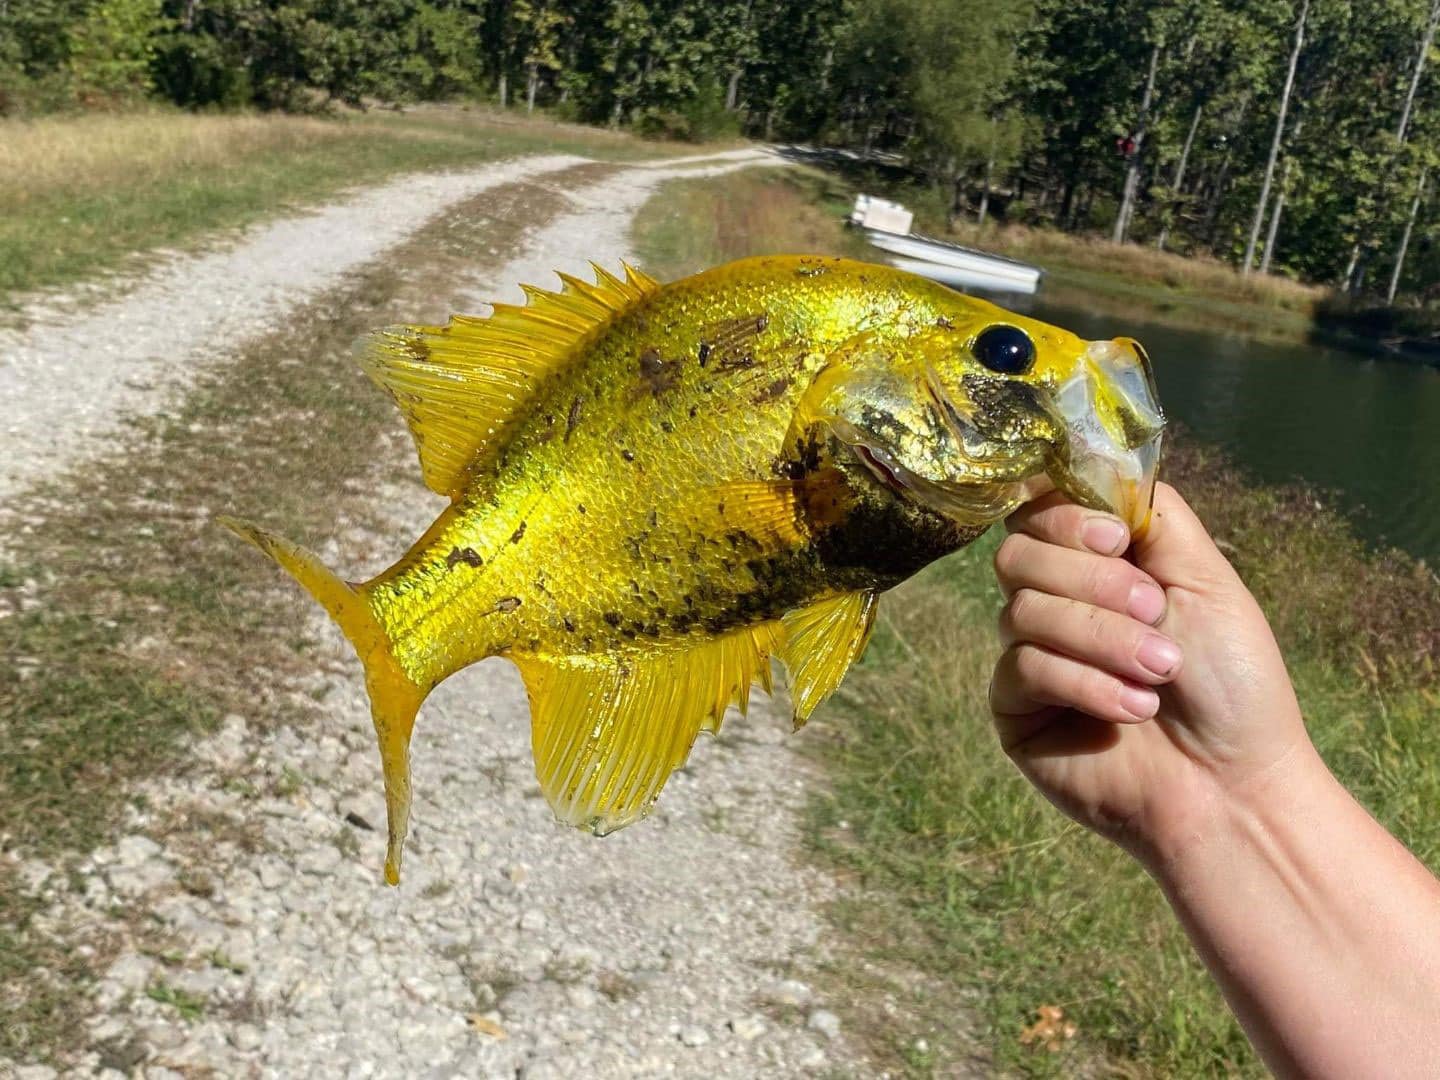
822	640
608	731
462	386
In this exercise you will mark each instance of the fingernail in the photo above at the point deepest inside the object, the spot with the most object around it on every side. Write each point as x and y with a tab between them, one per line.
1158	655
1146	603
1139	701
1105	536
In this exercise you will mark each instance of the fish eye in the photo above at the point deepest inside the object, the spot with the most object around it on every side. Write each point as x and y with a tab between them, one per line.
1005	349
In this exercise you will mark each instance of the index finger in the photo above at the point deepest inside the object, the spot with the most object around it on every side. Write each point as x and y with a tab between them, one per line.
1056	520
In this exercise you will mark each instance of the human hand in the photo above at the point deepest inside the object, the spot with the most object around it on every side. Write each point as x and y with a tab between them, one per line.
1140	696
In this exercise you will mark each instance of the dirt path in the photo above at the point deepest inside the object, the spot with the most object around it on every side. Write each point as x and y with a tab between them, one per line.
515	947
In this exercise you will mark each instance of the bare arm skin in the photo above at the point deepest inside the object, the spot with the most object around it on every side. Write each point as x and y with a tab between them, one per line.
1148	700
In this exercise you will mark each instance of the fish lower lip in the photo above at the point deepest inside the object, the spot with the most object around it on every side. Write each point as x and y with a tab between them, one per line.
883	472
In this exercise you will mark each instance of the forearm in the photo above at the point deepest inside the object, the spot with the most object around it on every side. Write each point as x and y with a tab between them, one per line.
1322	930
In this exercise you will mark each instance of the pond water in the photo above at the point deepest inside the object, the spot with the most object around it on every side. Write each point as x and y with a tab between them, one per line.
1365	428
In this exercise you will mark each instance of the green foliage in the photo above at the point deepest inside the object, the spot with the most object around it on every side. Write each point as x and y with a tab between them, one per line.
1033	108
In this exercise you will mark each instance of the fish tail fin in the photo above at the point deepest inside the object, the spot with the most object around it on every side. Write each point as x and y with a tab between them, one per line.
394	697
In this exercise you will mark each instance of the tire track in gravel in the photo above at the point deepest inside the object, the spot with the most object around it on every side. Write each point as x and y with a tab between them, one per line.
515	947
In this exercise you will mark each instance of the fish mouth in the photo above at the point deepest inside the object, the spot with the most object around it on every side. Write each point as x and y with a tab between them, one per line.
1114	432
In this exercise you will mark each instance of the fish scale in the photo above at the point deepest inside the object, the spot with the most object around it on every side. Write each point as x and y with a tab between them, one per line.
655	489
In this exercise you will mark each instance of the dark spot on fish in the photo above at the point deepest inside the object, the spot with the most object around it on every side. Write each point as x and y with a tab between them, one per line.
587	641
693	410
632	545
737	362
682	621
506	604
627	454
704	353
652	518
810	271
770	393
944	323
635	587
466	555
650	629
761	323
667	427
689	601
572	419
652	595
628	633
612	617
418	349
580	507
518	533
658	376
569	626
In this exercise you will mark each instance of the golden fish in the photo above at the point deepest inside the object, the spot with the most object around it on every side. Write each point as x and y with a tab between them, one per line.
655	489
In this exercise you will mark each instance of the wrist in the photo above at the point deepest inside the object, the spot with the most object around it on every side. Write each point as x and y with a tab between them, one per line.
1257	814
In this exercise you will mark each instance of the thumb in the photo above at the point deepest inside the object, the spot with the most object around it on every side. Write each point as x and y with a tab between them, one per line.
1176	550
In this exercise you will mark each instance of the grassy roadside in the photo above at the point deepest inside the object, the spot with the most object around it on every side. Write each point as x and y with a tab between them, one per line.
134	622
83	194
972	897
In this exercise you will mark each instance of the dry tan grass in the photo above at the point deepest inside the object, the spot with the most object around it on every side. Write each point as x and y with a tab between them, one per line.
1195	274
95	151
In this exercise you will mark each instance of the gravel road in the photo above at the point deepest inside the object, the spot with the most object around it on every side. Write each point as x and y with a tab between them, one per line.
515	947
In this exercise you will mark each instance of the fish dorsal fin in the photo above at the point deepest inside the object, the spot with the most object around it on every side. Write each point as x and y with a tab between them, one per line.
461	386
607	731
822	640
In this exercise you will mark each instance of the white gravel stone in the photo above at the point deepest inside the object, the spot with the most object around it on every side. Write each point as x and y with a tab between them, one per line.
825	1022
748	1028
693	1035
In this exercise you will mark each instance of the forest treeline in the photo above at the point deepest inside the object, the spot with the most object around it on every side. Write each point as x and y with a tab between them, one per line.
1294	136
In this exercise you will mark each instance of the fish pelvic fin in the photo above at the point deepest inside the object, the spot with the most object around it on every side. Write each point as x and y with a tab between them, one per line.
822	640
607	731
394	698
463	387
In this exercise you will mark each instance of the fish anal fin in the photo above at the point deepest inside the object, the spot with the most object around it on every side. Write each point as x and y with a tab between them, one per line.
607	731
822	640
462	386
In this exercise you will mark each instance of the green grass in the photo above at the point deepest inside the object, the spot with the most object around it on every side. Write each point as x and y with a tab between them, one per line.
131	622
973	902
83	194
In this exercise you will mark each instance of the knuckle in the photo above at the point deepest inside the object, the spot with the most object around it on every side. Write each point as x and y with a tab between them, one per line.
1108	582
1009	554
1024	606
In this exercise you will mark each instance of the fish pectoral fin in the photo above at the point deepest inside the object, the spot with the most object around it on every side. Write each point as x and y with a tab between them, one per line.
607	731
461	386
771	515
822	640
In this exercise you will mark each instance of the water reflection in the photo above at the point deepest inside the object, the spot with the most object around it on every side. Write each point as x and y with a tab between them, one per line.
1367	428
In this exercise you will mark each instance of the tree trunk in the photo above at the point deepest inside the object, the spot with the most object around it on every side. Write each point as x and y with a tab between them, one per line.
1276	140
504	90
1405	236
732	90
1179	177
1274	229
187	21
985	192
1360	254
1132	173
532	83
1404	126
